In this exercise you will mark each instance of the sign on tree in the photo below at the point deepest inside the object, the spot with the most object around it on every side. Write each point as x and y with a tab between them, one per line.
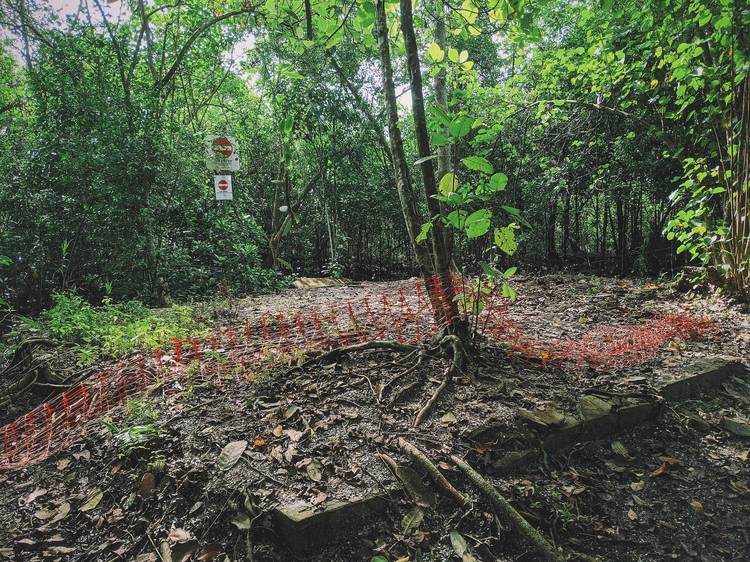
223	188
222	154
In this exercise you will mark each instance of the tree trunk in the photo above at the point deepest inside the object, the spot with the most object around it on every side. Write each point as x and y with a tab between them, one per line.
441	98
440	252
401	168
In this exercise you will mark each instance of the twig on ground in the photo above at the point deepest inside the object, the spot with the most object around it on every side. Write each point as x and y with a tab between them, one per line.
432	470
519	524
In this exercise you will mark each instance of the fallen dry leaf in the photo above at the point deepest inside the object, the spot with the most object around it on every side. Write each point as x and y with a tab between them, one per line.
34	495
209	552
294	435
147	485
697	506
637	486
632	515
448	418
241	520
177	535
744	456
314	471
740	486
230	454
62	513
259	442
92	501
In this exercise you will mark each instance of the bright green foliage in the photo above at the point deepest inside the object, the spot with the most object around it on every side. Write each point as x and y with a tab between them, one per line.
595	133
114	330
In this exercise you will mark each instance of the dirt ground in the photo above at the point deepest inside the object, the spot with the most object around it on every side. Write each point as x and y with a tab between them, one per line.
675	488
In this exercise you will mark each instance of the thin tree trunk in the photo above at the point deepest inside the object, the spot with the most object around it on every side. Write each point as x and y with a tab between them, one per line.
440	253
401	168
441	98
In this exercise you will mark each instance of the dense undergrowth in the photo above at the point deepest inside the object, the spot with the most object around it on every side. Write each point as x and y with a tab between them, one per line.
111	330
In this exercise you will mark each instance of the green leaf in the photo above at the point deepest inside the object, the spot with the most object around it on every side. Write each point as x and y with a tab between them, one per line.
498	181
510	272
458	543
378	558
509	292
292	74
288	124
453	55
435	53
464	56
505	239
5	260
448	183
412	520
478	223
457	218
422	236
478	164
460	127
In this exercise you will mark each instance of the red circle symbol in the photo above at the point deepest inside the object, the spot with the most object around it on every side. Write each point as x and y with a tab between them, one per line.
223	185
222	147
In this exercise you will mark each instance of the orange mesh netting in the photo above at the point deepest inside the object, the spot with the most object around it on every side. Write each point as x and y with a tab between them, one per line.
403	314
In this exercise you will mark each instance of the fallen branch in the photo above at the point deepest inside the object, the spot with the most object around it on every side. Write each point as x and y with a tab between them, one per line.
432	470
519	524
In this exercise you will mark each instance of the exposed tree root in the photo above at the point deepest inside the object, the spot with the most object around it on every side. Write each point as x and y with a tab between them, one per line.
404	390
337	352
422	414
517	522
420	360
432	470
450	344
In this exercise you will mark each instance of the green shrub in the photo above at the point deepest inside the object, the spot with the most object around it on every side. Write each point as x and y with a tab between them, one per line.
115	329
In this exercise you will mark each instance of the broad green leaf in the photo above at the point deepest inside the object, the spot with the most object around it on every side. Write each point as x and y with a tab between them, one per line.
478	164
435	53
453	55
288	124
509	292
460	127
498	181
448	183
505	239
478	223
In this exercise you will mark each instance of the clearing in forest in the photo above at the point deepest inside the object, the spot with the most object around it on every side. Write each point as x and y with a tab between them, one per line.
212	464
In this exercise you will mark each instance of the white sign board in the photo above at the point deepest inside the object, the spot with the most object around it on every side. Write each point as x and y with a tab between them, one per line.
223	188
222	154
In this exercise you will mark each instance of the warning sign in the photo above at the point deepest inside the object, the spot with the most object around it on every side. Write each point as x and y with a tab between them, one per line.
223	188
222	154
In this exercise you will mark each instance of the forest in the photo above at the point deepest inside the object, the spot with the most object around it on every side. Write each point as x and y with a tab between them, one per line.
381	280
